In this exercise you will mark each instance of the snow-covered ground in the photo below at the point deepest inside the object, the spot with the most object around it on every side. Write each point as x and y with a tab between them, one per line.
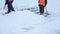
26	22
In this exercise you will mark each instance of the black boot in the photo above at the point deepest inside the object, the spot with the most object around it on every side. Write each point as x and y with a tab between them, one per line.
41	13
8	11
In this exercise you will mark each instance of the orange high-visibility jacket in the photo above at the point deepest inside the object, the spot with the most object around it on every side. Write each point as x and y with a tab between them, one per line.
42	2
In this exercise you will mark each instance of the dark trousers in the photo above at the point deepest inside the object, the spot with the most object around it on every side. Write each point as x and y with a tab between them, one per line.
41	9
10	8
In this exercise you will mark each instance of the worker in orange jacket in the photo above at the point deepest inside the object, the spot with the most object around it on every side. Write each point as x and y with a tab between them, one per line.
42	4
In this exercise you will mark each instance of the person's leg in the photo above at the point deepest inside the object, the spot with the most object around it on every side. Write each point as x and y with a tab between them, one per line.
9	9
41	10
12	8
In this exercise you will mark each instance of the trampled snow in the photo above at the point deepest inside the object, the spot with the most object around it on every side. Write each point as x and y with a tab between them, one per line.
27	22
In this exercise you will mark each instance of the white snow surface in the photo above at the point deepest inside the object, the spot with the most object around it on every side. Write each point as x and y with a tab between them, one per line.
26	22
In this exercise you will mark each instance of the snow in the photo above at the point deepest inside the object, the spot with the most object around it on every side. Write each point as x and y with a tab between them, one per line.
26	22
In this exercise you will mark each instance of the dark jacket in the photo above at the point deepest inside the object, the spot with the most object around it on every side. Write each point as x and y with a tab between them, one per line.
7	2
